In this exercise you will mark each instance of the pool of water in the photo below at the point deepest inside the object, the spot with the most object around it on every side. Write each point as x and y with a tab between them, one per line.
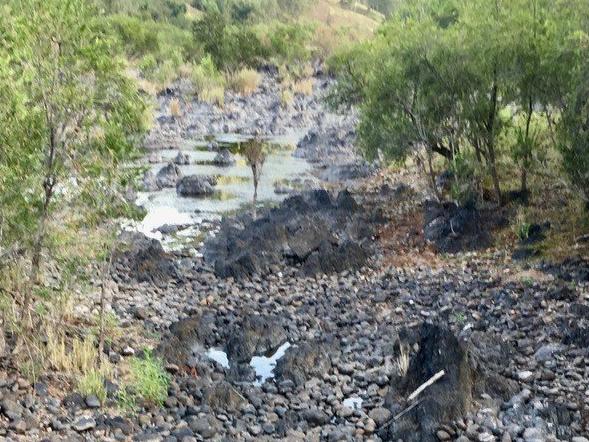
354	403
263	365
234	190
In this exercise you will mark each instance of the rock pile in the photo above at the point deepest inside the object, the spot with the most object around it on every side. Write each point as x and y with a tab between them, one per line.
314	232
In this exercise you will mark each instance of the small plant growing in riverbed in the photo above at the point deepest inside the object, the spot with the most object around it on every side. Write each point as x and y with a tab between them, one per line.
148	379
92	383
254	152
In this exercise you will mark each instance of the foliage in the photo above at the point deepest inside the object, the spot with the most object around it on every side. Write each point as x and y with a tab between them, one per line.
478	78
69	118
574	133
289	43
92	383
208	82
230	46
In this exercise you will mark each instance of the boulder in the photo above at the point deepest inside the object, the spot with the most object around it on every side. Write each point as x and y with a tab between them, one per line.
143	259
150	183
196	185
169	175
256	335
304	361
470	370
312	231
224	159
182	159
451	228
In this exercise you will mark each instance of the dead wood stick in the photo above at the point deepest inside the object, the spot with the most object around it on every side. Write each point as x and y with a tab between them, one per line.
412	396
401	414
426	384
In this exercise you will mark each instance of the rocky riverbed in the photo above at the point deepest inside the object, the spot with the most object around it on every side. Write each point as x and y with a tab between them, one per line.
278	353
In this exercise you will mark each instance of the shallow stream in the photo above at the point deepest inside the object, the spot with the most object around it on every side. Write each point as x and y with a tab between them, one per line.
234	189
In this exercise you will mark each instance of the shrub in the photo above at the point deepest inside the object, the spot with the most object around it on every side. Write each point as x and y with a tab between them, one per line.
290	42
137	35
245	81
214	95
148	65
286	98
574	138
230	46
75	358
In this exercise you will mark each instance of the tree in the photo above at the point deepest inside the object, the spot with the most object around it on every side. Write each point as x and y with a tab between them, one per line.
69	118
254	152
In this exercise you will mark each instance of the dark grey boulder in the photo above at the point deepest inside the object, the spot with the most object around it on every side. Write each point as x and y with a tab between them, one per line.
143	259
312	231
303	361
224	159
471	367
451	228
168	176
182	159
256	335
150	183
196	185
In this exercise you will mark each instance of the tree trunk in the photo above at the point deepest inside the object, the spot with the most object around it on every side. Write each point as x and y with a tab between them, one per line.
48	186
105	275
527	153
432	175
491	140
255	199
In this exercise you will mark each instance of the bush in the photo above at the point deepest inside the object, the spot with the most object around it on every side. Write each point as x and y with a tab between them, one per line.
230	46
138	36
289	43
92	383
304	87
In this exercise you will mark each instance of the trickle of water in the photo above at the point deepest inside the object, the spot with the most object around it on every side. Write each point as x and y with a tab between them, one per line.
219	356
354	403
264	366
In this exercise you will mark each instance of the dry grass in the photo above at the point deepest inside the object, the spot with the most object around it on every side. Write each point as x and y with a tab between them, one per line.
245	81
214	95
175	110
401	364
304	87
148	87
286	98
185	71
76	357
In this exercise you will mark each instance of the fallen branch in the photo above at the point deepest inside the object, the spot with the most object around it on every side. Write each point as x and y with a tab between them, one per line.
413	395
426	384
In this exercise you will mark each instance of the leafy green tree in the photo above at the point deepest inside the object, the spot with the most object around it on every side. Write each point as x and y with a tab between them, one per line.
68	119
